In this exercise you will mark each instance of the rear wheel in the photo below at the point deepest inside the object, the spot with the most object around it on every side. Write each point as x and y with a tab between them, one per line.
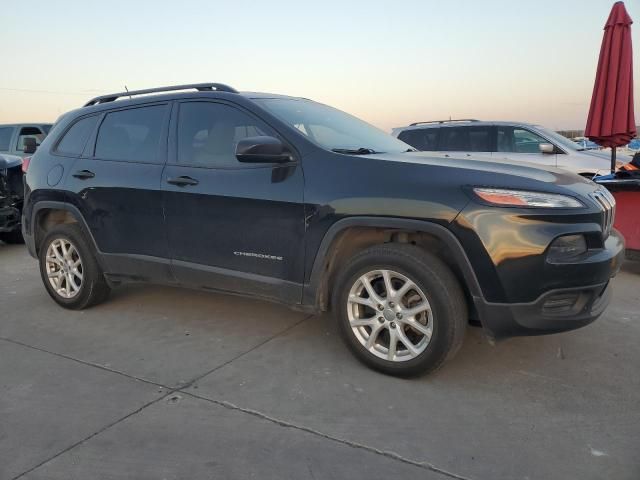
400	309
69	270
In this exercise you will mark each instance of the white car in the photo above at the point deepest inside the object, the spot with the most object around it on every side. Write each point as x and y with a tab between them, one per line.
513	141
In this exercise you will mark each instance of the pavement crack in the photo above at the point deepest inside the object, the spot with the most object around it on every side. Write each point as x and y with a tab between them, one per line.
85	362
240	355
98	432
286	424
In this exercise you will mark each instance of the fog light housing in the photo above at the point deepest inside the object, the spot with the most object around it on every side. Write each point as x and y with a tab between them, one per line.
566	248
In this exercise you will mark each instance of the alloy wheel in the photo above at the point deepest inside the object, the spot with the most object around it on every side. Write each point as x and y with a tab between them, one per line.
63	266
390	315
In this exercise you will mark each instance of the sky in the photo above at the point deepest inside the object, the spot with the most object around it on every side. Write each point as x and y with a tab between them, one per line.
388	62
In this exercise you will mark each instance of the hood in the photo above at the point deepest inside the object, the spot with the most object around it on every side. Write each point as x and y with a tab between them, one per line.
9	161
494	172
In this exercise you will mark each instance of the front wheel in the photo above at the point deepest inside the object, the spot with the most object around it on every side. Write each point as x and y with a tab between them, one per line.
400	309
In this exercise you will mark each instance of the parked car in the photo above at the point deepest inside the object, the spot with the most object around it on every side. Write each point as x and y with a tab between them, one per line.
290	200
514	141
11	198
13	136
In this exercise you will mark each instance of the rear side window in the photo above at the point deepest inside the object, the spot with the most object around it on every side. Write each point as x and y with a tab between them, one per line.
425	139
454	140
74	140
466	139
479	139
132	135
5	138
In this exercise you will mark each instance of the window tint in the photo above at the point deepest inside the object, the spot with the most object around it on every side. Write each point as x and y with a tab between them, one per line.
454	139
132	135
30	132
76	137
5	138
518	140
479	139
422	139
209	132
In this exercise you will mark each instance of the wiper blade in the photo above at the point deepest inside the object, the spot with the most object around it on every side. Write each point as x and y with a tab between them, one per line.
355	151
410	150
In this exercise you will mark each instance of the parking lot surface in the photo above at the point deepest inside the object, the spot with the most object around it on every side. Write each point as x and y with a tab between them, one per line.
165	383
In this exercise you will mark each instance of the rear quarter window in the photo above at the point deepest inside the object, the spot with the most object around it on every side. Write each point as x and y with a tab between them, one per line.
74	140
425	139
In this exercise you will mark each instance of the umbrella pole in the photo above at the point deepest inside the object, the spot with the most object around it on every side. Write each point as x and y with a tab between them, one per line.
613	159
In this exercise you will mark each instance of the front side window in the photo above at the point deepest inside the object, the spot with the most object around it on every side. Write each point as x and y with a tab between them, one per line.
74	140
132	135
209	132
330	128
30	132
5	138
424	139
518	140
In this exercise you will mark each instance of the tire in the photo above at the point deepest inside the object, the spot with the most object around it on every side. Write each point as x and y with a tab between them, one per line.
436	332
87	286
13	237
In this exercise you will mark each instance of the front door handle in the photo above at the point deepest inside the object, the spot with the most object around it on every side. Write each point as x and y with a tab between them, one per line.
182	181
84	174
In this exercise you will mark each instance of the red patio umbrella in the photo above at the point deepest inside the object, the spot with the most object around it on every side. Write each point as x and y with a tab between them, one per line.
611	122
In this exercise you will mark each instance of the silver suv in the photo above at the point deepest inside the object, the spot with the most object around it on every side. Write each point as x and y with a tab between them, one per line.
513	141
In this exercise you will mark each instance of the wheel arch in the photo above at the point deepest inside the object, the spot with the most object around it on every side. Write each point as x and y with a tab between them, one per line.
353	234
46	214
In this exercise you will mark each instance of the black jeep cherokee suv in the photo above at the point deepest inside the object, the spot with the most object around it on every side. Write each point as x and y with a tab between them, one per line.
291	200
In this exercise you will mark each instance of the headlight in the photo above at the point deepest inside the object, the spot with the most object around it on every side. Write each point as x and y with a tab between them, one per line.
524	198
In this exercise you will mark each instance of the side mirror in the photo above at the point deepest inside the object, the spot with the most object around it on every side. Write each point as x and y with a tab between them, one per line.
546	148
262	149
29	145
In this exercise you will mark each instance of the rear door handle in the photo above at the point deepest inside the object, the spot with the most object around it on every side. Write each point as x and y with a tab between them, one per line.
182	181
84	174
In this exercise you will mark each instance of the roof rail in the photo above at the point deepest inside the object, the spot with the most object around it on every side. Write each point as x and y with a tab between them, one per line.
201	87
446	121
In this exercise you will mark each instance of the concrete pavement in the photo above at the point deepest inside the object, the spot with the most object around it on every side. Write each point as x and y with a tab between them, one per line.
167	383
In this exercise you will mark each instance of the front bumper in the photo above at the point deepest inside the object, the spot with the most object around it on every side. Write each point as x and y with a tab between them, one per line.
9	219
556	310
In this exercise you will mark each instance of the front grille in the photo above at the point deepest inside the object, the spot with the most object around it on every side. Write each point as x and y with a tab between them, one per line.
607	203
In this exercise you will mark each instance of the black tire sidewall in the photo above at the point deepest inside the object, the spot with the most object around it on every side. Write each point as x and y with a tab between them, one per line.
91	273
434	289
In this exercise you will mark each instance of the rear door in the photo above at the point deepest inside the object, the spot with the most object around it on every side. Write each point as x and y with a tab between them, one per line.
231	226
116	186
520	144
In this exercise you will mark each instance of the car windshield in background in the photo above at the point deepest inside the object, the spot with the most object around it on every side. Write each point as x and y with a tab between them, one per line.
331	128
556	137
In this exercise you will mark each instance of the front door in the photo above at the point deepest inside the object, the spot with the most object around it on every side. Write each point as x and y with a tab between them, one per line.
231	226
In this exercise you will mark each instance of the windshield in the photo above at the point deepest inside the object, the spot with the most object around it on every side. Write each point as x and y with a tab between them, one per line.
332	129
556	137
